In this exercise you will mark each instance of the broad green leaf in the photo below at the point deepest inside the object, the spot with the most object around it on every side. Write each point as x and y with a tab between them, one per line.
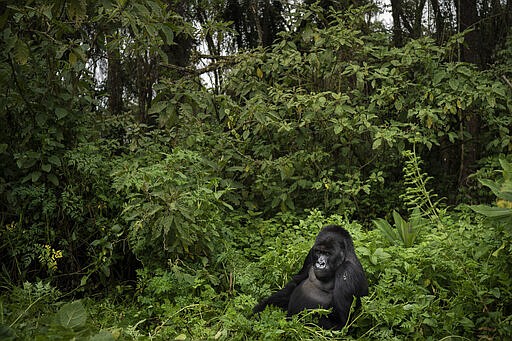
26	162
21	52
79	51
35	176
53	159
454	84
376	144
507	169
438	76
53	179
259	73
41	119
386	229
72	58
169	34
71	315
157	108
61	113
399	221
492	212
103	335
47	11
496	190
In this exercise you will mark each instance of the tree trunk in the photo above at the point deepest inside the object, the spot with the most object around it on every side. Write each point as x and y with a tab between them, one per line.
179	53
439	20
467	16
145	79
418	15
257	22
396	9
114	83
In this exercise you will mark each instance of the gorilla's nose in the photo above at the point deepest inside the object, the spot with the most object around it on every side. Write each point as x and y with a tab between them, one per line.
320	263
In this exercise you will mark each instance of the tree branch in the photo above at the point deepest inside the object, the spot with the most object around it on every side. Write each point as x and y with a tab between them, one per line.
507	81
209	68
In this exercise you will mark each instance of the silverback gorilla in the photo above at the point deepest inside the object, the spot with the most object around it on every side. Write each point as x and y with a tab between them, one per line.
330	278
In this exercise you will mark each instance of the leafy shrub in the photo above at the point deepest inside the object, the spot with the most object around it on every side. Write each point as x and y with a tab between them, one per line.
454	282
173	206
32	314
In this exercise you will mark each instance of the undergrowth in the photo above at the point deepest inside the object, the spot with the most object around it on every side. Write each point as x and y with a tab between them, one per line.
454	281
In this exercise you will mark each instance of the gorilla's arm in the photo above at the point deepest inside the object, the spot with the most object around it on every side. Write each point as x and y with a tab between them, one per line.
282	297
350	281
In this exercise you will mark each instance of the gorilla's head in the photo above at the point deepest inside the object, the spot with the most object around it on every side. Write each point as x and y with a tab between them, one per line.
329	252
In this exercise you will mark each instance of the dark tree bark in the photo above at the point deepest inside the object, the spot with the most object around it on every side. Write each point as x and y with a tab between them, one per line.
509	12
418	15
396	9
145	79
467	17
179	53
439	21
407	20
257	22
114	81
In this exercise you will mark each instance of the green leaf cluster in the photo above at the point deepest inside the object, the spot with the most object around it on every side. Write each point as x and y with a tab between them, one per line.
405	232
173	206
503	191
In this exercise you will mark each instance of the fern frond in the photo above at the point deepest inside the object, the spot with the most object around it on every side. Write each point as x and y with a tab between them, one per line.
417	195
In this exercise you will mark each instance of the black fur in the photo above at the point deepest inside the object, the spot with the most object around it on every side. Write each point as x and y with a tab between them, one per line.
330	278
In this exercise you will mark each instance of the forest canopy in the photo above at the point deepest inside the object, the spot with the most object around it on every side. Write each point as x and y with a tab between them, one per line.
166	164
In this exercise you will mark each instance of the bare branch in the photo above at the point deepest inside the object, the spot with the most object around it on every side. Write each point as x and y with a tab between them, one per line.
209	68
507	81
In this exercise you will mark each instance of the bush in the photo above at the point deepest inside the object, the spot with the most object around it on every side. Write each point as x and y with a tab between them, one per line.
173	206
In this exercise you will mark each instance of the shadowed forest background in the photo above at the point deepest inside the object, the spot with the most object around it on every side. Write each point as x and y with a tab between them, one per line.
166	164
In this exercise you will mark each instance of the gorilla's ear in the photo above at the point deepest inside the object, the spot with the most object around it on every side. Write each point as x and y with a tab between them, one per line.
342	252
345	246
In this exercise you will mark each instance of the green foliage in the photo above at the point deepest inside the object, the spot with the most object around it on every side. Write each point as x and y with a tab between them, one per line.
502	190
43	92
173	206
31	314
177	226
452	283
46	97
405	232
455	281
417	196
321	119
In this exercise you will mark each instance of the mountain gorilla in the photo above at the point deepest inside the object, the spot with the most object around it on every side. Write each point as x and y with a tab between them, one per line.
330	278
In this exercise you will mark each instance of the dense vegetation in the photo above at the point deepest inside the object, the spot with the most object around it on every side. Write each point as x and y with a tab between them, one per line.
164	165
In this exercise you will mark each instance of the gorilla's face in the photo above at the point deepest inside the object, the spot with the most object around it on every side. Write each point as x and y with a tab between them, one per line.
328	256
